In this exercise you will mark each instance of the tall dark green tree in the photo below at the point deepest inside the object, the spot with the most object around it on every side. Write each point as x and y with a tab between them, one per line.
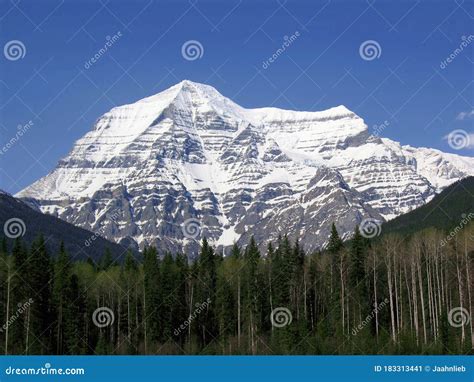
39	327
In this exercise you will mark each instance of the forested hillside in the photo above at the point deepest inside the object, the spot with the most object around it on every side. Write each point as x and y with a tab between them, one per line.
394	296
444	211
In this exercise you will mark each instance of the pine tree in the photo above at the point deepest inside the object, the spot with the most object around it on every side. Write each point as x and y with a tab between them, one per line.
206	294
73	318
39	320
335	242
62	276
15	333
151	295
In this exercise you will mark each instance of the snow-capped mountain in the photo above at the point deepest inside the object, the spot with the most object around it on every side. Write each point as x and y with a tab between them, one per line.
189	160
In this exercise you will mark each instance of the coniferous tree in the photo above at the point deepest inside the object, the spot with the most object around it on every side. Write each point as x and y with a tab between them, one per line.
39	325
61	294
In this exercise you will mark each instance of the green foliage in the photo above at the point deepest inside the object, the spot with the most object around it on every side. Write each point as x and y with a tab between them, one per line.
390	296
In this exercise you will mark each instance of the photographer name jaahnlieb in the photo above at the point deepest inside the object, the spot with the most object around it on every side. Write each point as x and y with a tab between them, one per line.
449	369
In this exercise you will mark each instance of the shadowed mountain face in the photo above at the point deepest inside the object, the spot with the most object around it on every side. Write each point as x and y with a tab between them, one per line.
189	162
19	220
452	207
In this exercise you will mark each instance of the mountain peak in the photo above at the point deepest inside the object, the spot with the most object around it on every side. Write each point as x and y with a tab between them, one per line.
189	152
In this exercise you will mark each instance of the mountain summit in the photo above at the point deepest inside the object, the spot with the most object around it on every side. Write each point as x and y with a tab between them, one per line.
189	157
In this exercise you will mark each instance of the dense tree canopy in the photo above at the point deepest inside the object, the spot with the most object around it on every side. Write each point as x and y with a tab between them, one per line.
393	295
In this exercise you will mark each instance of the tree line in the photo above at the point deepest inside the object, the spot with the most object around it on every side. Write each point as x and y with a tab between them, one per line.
389	295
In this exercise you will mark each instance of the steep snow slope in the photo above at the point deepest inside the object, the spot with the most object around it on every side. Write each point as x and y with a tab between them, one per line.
188	152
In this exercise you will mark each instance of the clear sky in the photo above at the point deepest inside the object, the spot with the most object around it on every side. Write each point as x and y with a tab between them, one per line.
51	81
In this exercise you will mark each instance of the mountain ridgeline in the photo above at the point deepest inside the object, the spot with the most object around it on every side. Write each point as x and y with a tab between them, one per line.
17	219
445	211
187	155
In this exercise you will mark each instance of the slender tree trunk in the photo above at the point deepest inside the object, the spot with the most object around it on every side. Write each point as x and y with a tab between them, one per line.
8	311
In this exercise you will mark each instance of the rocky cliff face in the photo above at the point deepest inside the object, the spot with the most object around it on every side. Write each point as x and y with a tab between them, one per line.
189	162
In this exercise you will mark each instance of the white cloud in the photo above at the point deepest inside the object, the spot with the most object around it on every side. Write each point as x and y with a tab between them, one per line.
465	115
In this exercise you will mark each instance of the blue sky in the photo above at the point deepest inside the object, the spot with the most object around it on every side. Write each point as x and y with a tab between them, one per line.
406	84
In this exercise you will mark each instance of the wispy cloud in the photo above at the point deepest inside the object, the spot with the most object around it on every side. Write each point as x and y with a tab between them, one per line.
465	115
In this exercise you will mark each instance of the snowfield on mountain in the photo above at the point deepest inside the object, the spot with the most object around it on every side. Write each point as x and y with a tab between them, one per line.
189	155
